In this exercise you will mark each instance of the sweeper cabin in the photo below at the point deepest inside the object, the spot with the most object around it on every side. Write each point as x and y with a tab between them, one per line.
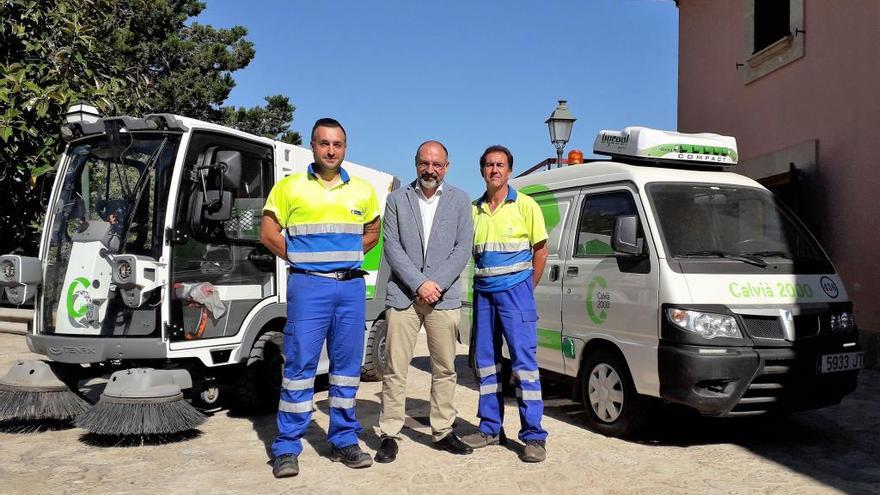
150	269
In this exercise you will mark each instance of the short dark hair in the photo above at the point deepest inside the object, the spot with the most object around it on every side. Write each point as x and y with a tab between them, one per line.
497	148
327	122
431	141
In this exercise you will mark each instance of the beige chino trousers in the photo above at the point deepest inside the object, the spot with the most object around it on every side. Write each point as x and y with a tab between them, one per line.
403	329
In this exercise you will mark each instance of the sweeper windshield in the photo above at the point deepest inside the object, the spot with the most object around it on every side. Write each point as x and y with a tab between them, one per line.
111	201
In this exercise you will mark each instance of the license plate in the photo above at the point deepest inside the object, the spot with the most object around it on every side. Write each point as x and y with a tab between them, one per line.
846	361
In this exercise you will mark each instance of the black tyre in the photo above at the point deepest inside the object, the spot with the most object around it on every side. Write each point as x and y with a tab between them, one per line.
373	369
257	385
613	408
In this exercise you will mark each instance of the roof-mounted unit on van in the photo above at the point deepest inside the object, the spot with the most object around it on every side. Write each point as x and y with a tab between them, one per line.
677	149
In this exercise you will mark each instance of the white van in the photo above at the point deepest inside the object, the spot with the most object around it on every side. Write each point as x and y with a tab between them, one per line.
670	277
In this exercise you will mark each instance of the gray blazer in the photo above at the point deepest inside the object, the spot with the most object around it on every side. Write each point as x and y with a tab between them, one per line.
449	249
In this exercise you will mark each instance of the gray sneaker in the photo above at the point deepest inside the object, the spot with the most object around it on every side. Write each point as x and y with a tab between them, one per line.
285	466
479	439
535	451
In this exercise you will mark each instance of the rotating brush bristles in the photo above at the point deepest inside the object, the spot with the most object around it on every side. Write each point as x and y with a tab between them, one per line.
32	392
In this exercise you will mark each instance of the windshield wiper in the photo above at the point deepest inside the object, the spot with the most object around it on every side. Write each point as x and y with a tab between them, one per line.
770	254
721	254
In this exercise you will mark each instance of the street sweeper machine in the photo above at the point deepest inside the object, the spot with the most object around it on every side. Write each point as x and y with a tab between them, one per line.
151	272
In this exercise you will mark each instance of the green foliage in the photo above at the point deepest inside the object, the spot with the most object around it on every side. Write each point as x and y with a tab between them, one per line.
124	56
272	120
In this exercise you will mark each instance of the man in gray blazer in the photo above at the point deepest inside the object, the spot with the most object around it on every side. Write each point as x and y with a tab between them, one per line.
429	233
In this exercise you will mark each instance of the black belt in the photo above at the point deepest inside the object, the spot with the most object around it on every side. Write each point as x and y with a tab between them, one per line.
341	275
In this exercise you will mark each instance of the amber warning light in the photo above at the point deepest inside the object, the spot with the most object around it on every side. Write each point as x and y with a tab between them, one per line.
575	157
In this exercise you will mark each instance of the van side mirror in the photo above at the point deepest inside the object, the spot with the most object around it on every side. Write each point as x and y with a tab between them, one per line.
625	238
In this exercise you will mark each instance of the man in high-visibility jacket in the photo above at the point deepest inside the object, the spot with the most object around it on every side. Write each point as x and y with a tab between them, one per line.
509	256
321	222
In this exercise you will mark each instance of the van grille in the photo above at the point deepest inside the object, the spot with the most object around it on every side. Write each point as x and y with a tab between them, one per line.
765	393
769	327
763	327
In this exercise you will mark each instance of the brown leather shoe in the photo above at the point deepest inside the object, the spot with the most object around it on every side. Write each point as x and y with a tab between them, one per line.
479	439
535	451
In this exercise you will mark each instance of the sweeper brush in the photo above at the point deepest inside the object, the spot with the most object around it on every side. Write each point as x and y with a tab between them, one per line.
31	391
143	402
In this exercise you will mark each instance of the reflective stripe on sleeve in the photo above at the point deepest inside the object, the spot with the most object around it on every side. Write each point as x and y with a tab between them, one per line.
304	384
501	270
295	407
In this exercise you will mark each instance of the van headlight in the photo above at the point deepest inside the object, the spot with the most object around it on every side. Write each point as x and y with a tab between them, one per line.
842	322
706	325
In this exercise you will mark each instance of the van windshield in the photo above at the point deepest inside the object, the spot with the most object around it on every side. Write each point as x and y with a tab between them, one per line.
732	223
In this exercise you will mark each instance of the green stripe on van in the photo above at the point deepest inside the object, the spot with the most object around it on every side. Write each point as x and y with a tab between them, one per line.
549	339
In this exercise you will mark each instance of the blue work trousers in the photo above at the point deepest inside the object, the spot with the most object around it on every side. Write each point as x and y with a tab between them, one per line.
319	309
509	313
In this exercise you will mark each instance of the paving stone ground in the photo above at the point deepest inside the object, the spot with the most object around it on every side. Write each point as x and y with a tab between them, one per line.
833	450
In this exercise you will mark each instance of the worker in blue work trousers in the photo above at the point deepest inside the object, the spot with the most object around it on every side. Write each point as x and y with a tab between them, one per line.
322	221
509	256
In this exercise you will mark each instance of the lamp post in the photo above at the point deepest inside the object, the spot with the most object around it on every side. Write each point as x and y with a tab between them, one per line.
560	123
82	112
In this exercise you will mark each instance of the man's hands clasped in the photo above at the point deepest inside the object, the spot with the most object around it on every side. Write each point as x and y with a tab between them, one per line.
428	293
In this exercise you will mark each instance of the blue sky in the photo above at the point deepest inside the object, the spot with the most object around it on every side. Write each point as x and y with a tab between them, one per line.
467	73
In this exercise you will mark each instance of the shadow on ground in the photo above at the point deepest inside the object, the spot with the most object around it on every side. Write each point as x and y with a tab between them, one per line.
836	445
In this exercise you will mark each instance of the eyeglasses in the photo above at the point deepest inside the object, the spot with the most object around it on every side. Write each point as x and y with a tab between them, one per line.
425	164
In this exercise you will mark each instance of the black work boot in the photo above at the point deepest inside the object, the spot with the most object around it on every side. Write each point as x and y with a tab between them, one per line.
285	466
352	456
387	451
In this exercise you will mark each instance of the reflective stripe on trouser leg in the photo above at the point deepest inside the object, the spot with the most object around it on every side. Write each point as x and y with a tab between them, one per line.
518	318
487	357
345	347
308	321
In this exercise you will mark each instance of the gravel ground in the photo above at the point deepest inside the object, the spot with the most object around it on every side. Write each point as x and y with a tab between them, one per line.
833	450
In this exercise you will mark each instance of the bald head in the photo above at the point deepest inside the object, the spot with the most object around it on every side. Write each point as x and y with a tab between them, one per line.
432	162
432	144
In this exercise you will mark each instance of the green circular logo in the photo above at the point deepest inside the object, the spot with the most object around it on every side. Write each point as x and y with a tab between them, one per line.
71	297
597	303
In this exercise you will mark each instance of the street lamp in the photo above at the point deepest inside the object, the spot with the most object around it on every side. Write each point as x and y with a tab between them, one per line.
560	123
82	112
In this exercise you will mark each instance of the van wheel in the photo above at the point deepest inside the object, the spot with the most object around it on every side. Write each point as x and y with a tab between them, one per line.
373	369
257	387
612	405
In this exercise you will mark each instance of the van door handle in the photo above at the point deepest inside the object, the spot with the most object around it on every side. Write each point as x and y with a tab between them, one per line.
554	273
571	271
